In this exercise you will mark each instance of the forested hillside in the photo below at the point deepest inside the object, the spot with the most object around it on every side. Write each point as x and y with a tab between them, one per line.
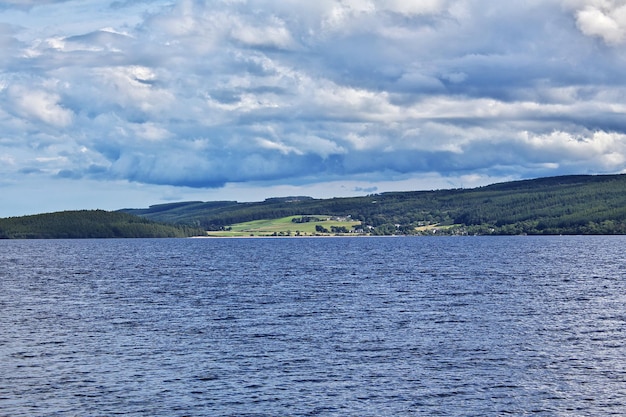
89	224
582	204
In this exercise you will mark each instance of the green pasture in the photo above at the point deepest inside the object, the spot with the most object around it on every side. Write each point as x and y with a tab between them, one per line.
283	227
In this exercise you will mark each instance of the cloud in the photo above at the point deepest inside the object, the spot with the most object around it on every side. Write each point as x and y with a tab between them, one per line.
206	95
273	35
415	7
606	20
27	4
605	150
38	105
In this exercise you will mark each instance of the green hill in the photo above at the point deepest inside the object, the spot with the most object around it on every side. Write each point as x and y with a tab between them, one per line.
319	225
580	204
89	224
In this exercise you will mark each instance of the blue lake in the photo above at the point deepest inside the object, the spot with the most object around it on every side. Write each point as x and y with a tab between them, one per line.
446	326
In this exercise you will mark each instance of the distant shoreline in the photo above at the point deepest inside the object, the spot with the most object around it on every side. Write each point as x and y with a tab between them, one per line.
286	237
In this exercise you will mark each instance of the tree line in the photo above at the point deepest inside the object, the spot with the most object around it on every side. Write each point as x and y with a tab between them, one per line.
583	204
90	224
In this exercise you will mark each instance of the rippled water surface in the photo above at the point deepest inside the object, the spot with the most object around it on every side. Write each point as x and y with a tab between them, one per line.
476	326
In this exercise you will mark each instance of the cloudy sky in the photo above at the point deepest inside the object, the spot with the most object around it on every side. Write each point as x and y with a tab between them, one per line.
126	103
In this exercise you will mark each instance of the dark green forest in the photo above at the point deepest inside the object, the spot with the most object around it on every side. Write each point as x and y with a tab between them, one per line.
579	204
582	204
89	224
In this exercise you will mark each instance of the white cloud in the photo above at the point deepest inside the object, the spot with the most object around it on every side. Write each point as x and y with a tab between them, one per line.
282	93
7	159
414	7
273	34
38	104
605	19
604	150
275	145
595	22
150	131
337	101
132	88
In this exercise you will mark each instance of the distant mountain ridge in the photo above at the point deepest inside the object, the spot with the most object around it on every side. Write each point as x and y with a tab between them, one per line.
574	204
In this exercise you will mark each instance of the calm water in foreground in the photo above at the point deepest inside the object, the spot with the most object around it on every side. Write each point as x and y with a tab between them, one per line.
475	326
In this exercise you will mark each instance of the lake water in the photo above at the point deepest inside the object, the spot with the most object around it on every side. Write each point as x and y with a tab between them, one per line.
471	326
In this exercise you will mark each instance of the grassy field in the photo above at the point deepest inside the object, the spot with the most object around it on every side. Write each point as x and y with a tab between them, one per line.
284	227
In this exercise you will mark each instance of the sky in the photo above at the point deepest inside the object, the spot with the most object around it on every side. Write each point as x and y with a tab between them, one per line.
127	103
